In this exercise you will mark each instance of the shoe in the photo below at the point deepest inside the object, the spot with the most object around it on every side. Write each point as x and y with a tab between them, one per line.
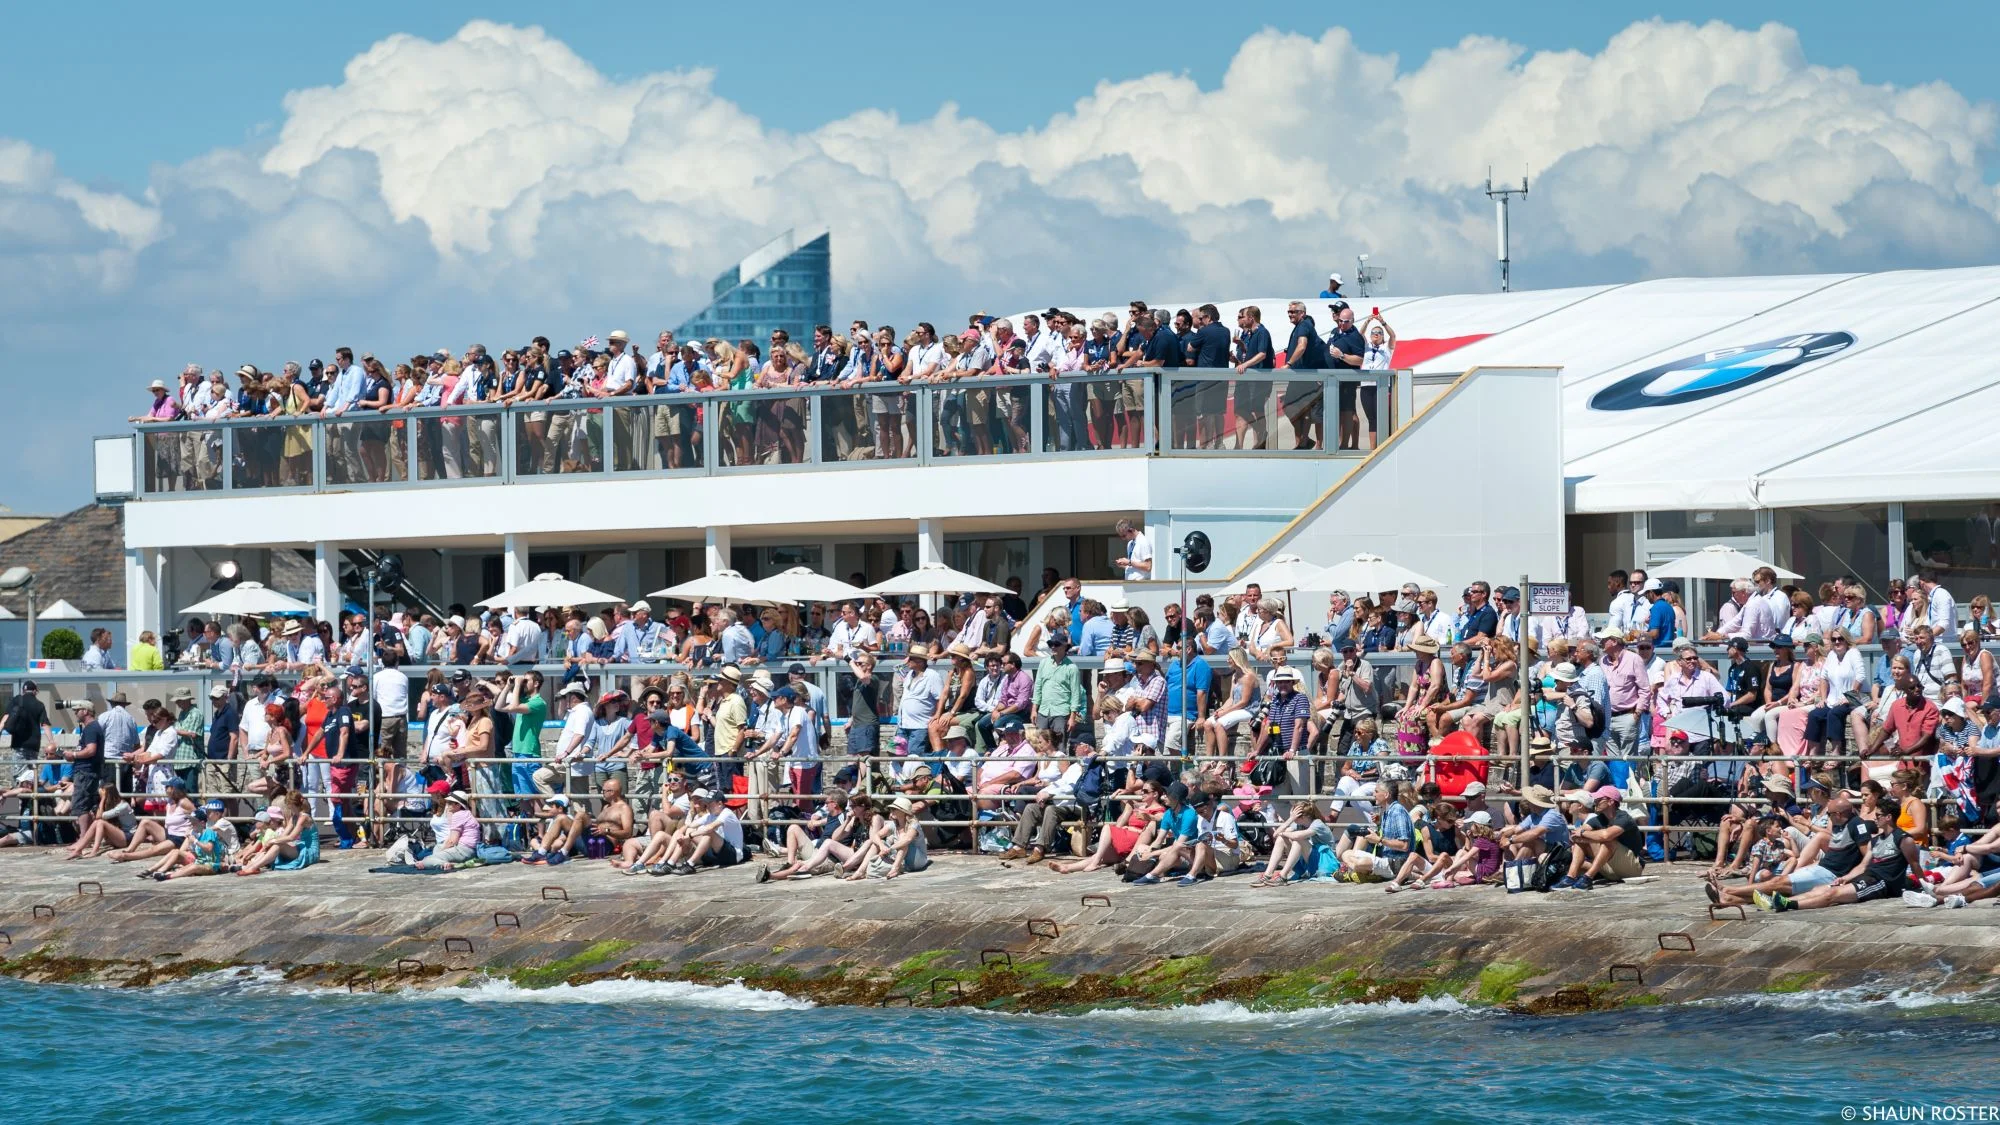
1203	877
1780	904
1762	900
1714	895
1146	881
559	857
683	868
1563	884
1581	883
634	869
660	868
1919	900
763	874
1956	902
1035	856
1012	853
1186	881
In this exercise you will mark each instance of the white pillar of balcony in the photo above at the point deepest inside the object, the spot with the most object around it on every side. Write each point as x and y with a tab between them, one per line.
142	593
514	561
715	550
1159	527
326	583
930	542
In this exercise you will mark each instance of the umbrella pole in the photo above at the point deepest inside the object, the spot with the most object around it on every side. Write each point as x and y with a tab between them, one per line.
1527	728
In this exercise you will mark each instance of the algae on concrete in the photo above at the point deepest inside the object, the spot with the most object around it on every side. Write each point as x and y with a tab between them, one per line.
1501	981
556	972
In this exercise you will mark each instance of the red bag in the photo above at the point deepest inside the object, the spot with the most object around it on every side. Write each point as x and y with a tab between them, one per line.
739	787
1453	776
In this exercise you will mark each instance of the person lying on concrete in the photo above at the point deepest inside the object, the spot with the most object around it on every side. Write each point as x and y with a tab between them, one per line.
1892	855
562	826
1608	848
642	852
156	838
1834	852
1172	845
831	832
712	837
895	845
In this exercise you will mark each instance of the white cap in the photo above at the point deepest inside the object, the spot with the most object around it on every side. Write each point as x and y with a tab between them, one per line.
1474	789
1480	817
1652	586
639	605
1333	277
1954	706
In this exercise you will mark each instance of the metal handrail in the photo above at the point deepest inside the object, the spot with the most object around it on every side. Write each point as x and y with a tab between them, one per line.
230	450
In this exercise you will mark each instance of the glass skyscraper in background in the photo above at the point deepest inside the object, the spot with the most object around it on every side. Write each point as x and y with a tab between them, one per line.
786	283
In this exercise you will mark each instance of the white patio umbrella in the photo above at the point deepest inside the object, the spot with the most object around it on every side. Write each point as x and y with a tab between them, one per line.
546	590
1366	574
722	586
1718	562
934	578
803	584
245	599
1282	572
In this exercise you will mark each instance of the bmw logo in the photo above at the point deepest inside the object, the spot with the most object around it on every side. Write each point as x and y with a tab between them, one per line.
1696	377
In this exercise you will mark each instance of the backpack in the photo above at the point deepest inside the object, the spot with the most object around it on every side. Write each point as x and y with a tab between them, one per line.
1599	721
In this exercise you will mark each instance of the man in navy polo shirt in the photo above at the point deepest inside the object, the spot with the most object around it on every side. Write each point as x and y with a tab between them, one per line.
1345	349
1211	339
1305	351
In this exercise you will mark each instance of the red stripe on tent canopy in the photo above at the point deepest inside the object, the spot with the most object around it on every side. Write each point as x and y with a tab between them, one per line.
1415	353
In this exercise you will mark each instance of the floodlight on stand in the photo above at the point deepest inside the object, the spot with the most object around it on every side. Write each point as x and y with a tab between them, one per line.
225	570
16	578
389	569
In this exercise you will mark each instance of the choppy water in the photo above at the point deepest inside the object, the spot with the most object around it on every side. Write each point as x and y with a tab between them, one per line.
250	1048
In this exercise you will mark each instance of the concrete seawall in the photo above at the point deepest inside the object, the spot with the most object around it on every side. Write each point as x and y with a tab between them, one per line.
970	931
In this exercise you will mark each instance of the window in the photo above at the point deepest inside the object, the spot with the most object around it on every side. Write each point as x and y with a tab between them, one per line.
1824	543
1708	524
1960	541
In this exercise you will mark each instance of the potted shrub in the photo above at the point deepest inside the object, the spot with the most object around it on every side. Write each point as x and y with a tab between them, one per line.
62	650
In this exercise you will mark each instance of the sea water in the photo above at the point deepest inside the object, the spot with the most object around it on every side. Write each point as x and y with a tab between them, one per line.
243	1046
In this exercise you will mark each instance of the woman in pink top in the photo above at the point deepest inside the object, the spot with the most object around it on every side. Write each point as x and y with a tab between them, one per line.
461	834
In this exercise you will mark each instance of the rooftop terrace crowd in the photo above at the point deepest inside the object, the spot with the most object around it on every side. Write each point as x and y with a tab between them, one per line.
1378	742
661	423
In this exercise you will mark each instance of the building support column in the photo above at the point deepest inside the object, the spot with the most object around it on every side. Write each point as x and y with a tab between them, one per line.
930	543
142	595
715	551
1899	549
1159	528
447	578
326	583
513	561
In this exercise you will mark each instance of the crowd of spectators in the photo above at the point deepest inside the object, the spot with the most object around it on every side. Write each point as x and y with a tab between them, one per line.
1386	741
659	399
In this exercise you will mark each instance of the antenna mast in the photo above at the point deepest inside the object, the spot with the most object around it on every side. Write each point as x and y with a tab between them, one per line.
1500	197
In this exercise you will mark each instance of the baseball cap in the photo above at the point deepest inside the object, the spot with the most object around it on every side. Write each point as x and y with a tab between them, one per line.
218	691
1008	722
1606	793
1481	817
438	788
1474	789
796	669
1653	586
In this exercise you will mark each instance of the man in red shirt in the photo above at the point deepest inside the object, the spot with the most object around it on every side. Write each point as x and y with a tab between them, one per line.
1912	725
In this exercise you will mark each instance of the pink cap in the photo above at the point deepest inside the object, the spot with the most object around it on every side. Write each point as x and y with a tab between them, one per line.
1606	793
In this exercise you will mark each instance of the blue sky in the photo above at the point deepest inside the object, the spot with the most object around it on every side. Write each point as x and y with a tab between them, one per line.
257	183
154	85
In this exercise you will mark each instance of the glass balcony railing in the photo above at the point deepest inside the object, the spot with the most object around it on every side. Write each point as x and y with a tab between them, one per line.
1205	413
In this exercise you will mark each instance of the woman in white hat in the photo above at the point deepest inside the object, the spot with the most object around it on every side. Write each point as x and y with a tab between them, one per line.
895	845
